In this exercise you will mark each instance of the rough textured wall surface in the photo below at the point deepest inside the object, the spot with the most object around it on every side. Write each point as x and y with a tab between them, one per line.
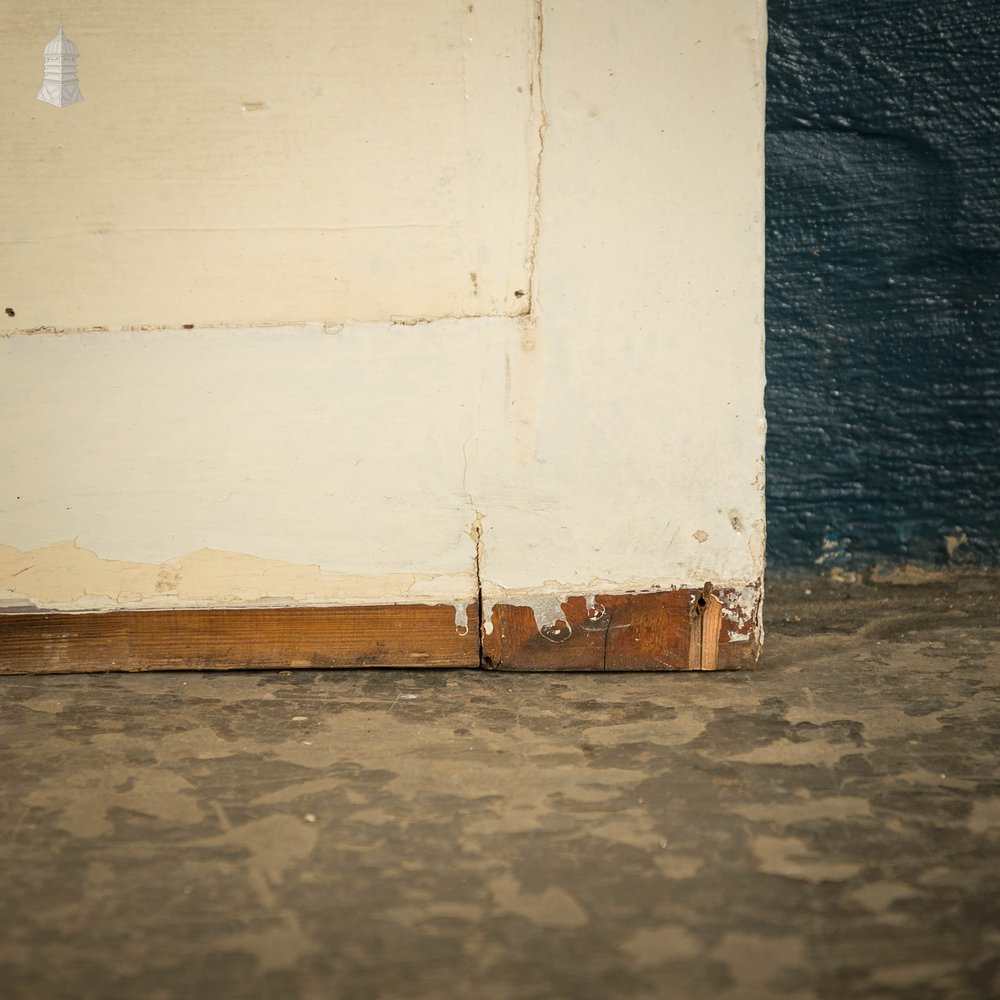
883	286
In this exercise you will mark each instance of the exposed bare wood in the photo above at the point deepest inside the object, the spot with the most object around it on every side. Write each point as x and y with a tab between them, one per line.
706	625
272	638
653	631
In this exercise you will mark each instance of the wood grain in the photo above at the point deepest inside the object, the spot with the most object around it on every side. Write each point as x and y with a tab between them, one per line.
651	631
274	638
672	630
706	629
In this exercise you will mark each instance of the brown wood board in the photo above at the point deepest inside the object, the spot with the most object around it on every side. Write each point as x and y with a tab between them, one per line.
670	630
666	630
259	638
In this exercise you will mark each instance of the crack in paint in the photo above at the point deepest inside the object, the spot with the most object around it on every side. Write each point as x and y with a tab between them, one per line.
477	537
329	326
535	224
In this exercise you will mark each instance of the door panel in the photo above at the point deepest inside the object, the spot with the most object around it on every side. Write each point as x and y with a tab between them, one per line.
363	306
239	163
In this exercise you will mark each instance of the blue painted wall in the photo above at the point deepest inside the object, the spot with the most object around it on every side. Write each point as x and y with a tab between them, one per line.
883	288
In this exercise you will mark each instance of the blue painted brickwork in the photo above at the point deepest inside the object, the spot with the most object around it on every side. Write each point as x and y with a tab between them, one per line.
883	289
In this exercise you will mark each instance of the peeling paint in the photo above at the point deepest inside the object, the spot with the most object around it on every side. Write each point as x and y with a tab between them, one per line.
65	577
549	615
741	603
679	629
271	443
461	617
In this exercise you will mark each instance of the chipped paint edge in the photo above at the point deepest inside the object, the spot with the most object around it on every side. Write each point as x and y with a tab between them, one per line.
65	577
741	608
702	628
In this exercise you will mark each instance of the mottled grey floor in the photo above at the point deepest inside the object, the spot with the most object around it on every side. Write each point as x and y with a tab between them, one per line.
825	826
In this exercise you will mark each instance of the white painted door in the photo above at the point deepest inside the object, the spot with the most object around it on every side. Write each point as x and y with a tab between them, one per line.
392	302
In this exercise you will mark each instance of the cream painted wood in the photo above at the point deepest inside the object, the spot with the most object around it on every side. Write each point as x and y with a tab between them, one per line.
248	163
208	468
636	458
355	418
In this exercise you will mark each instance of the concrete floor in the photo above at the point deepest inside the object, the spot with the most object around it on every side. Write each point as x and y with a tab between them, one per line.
825	826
